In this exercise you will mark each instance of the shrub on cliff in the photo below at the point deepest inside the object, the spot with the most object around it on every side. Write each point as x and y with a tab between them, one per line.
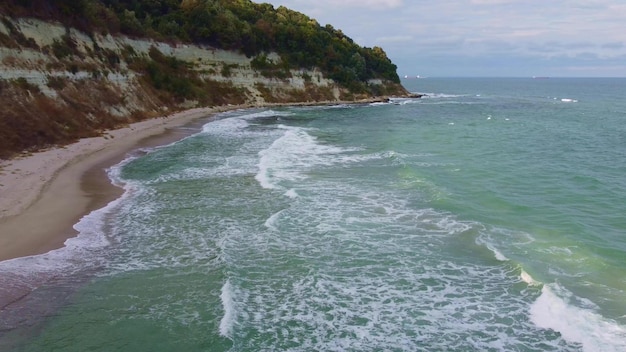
241	25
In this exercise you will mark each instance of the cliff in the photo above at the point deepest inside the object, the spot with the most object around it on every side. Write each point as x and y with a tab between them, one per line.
58	83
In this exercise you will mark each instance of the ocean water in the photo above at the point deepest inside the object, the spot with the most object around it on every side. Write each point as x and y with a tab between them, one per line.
489	215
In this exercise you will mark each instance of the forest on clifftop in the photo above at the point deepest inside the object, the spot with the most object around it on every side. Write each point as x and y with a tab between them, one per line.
72	69
239	25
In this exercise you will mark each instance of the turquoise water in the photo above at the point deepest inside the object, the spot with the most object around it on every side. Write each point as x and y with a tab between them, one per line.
487	216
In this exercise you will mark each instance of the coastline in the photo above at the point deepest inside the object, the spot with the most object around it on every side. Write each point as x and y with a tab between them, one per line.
43	195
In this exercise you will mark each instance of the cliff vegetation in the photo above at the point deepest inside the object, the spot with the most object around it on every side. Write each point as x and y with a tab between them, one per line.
74	68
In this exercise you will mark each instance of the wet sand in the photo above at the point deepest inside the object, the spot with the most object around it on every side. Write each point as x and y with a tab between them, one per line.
44	194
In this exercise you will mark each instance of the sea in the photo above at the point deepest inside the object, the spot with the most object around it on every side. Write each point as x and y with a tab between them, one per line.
488	215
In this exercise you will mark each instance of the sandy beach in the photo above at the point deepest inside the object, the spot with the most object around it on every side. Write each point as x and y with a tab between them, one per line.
44	194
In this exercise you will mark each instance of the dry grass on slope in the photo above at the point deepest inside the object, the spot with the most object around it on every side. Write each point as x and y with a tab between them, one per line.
31	120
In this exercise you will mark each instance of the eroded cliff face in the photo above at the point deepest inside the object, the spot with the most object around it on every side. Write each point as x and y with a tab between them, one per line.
58	84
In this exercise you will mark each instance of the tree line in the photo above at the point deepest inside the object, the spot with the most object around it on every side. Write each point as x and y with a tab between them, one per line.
240	25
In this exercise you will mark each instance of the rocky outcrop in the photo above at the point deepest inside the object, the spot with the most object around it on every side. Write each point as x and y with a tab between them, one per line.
58	84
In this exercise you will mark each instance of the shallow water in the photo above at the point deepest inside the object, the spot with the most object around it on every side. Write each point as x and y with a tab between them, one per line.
487	216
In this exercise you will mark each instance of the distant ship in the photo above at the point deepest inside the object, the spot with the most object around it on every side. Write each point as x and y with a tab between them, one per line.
540	77
407	76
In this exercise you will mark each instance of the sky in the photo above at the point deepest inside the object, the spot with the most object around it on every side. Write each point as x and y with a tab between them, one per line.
484	38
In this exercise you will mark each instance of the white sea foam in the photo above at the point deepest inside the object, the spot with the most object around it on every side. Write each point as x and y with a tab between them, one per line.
552	310
336	106
228	320
403	101
293	153
558	250
528	279
441	96
291	193
499	256
386	303
91	230
79	253
354	266
236	124
450	225
485	240
270	223
227	126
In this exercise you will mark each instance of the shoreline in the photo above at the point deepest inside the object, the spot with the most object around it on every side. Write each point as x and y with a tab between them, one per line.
43	195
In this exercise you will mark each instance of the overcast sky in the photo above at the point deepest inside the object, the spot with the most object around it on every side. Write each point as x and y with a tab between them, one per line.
510	38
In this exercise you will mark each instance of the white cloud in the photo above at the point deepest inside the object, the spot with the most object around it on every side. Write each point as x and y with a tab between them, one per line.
395	39
367	3
490	2
613	45
534	31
